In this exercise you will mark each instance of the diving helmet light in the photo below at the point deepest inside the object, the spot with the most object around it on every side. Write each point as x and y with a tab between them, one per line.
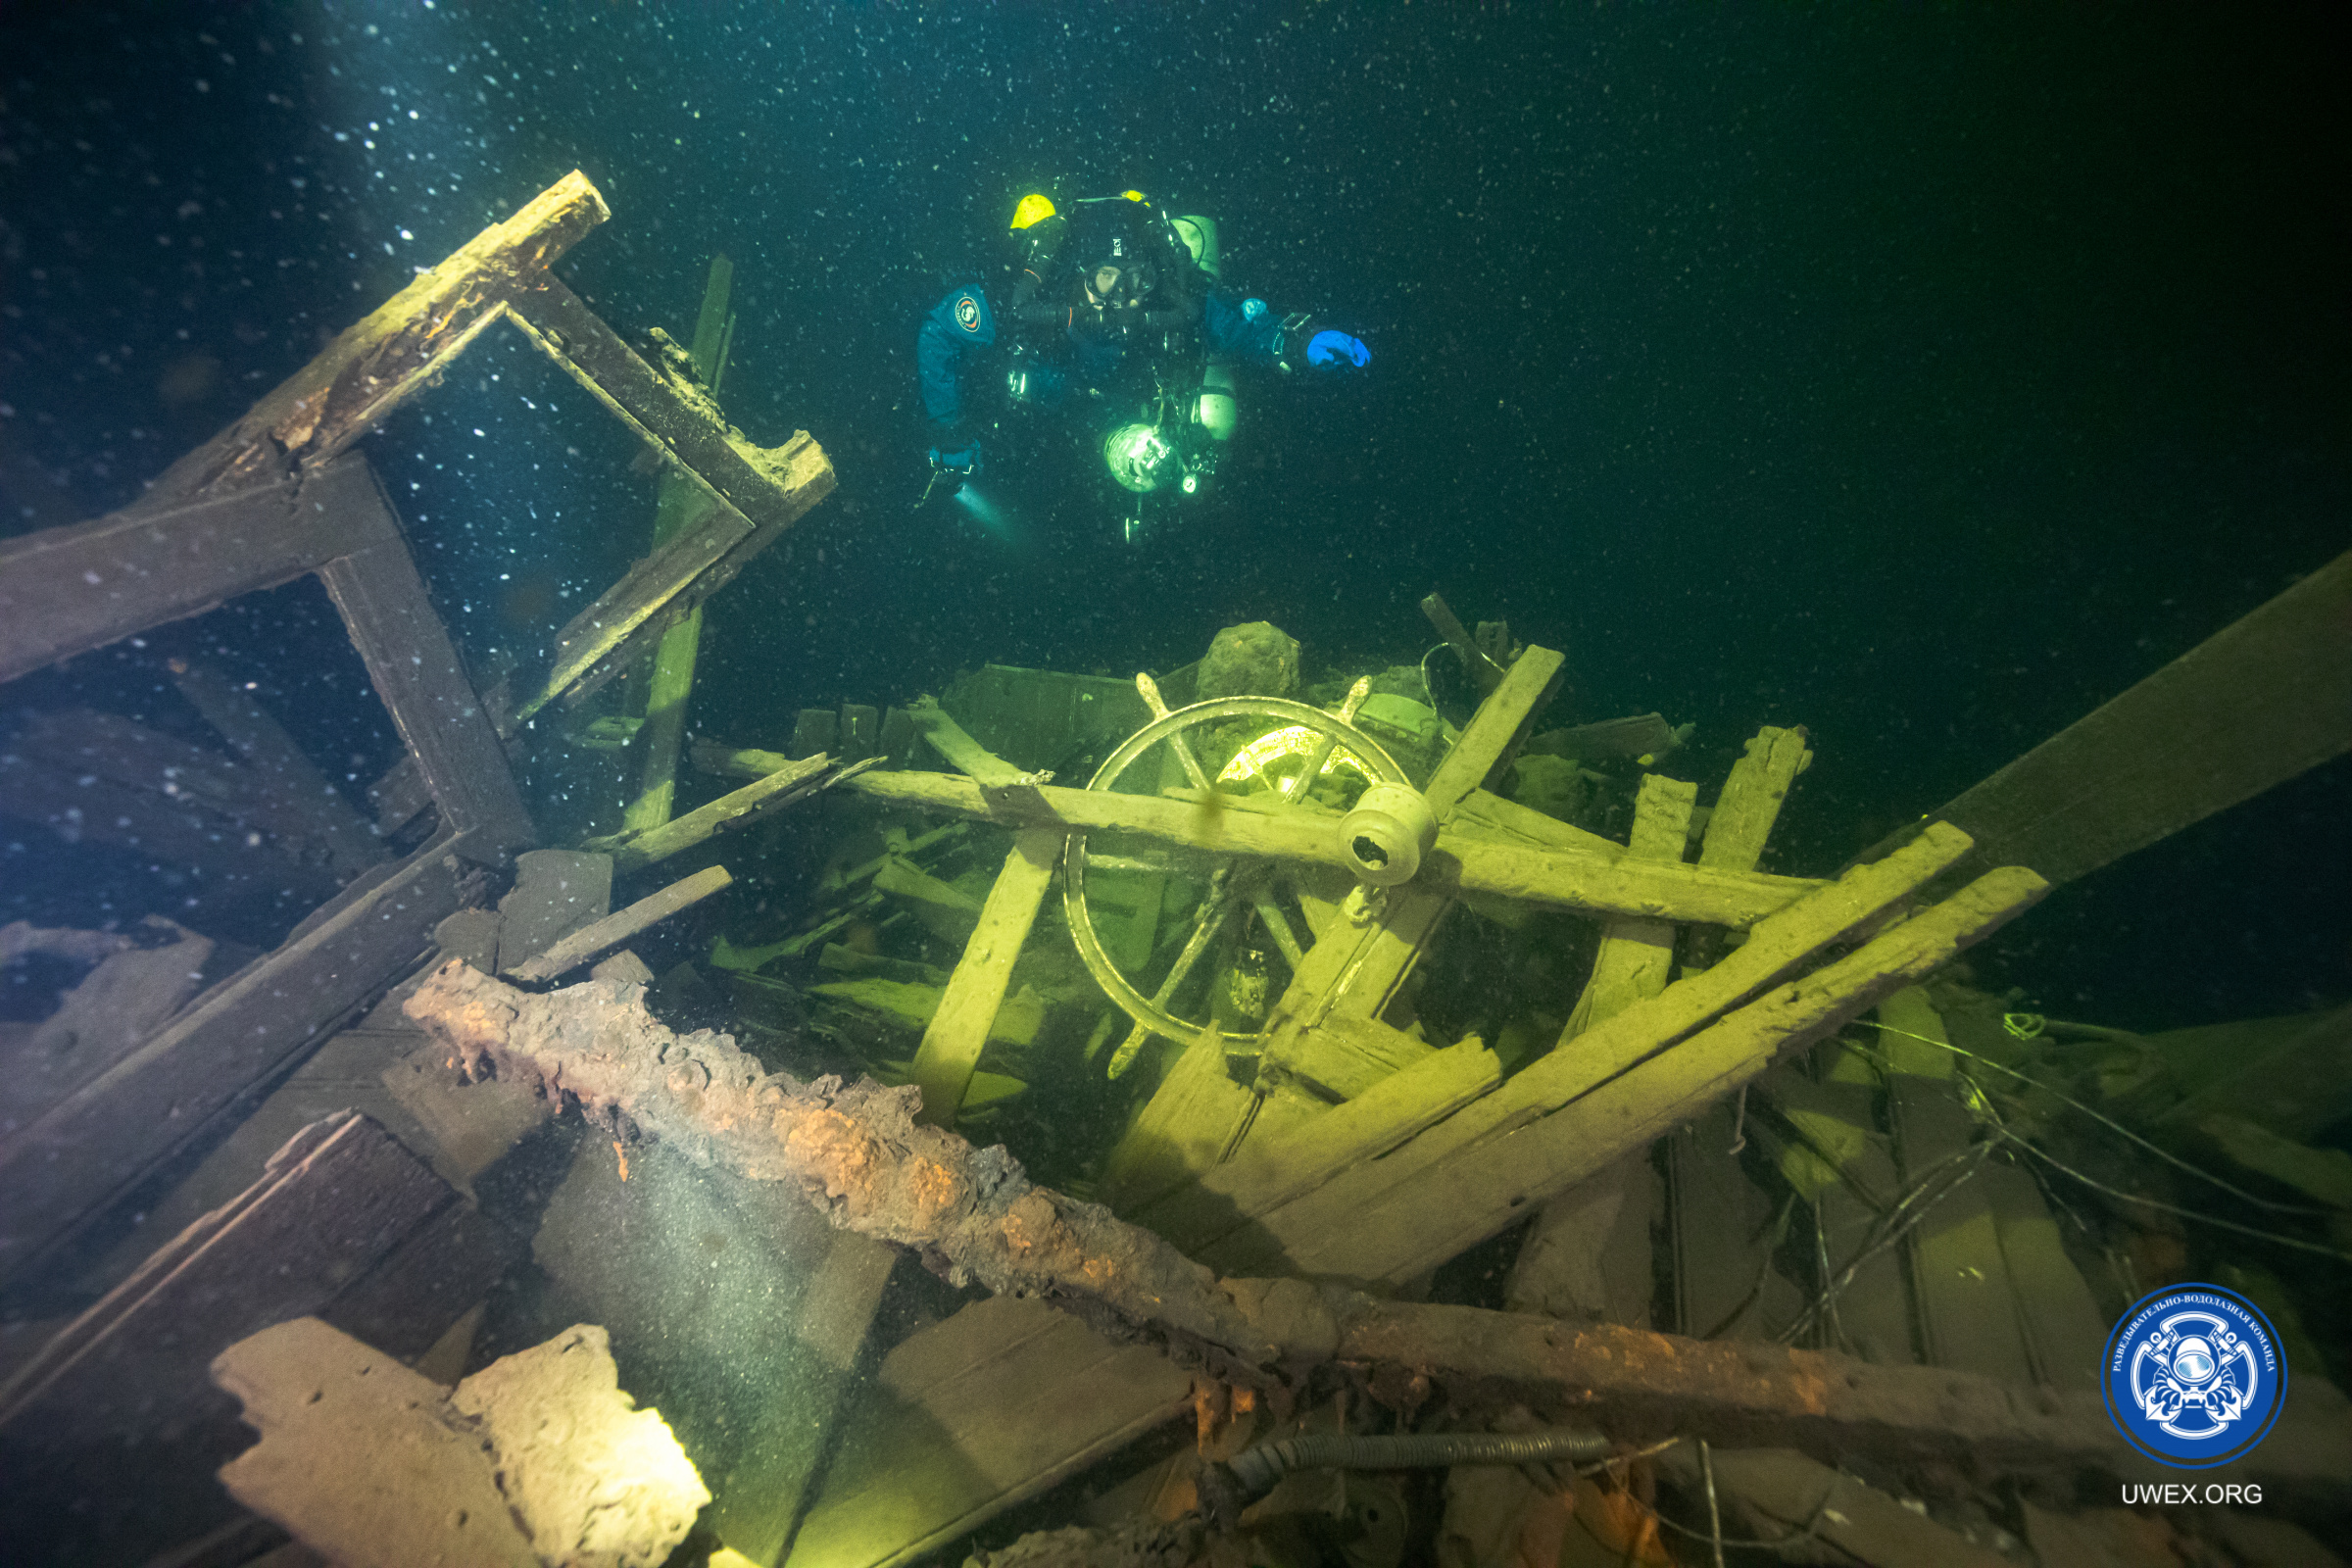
1139	457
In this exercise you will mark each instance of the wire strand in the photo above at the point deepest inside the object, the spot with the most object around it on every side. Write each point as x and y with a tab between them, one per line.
2113	1126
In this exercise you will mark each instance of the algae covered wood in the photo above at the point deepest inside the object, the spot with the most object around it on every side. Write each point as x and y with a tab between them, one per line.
593	941
633	852
960	1030
1270	1171
1751	802
1776	947
1489	1184
1636	957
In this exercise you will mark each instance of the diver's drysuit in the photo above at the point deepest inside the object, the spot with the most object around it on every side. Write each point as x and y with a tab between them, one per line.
1143	333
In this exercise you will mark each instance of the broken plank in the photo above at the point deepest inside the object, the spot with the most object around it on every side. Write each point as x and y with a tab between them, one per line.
1636	957
593	941
633	851
1487	1185
1270	1171
974	1415
96	1143
960	1030
64	591
422	683
1340	1057
1751	802
374	366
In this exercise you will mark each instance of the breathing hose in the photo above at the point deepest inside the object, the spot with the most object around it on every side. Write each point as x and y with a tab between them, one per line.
1228	1489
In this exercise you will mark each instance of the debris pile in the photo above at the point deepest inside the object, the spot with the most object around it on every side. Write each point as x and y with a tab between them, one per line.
1338	1112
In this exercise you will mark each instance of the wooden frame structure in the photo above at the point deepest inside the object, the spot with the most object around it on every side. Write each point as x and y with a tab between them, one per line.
67	590
278	495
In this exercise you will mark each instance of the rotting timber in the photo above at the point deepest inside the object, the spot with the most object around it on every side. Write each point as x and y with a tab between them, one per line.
1307	1145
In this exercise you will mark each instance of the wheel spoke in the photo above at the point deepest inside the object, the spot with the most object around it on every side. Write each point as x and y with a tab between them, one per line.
1213	910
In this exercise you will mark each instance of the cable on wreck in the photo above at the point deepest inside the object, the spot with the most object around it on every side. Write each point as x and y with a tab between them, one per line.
2111	1125
1229	1488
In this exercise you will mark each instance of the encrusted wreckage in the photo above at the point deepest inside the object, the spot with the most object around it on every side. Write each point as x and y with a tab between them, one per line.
1328	1132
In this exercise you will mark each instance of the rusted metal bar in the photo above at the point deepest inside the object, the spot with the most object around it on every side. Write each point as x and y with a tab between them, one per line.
857	1151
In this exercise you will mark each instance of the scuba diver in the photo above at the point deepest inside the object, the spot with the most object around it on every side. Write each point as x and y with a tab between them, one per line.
1129	328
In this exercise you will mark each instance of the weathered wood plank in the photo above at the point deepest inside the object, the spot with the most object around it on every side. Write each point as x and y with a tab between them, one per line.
1572	879
379	362
1270	1172
1751	802
1636	957
633	851
597	937
64	591
91	1145
959	1032
758	492
1487	1185
2254	704
422	683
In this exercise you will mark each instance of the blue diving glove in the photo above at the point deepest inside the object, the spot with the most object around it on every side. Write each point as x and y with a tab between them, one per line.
1333	350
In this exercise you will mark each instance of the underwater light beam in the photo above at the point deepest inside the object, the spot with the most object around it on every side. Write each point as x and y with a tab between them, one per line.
989	516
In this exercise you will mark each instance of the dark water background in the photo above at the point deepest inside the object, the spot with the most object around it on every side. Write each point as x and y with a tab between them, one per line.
1922	375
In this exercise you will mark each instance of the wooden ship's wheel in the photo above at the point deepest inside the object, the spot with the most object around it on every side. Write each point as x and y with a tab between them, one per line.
1230	753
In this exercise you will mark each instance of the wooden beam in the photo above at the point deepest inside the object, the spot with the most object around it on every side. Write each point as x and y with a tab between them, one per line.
416	673
1777	950
633	852
1572	879
1751	802
595	940
96	1143
2256	703
959	1032
757	493
1636	956
64	591
1487	1185
378	364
